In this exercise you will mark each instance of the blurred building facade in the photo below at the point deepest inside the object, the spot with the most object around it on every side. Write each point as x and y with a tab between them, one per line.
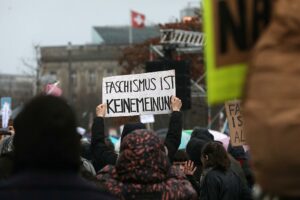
120	35
18	87
81	68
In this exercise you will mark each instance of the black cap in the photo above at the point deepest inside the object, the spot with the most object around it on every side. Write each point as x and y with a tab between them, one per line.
128	128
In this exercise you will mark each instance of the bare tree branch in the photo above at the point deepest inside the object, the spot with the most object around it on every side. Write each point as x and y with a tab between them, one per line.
26	64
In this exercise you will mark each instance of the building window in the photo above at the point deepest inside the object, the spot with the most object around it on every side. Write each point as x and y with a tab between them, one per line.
92	77
53	76
73	78
74	97
109	72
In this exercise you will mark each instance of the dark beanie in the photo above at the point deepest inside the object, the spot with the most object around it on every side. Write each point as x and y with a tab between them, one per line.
199	137
46	136
237	152
202	133
128	128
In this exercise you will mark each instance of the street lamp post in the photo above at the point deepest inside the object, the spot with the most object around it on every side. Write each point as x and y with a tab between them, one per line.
69	49
38	68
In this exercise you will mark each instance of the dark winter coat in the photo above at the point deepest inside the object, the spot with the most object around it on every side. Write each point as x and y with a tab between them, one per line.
49	186
103	155
219	185
144	172
6	165
234	167
6	157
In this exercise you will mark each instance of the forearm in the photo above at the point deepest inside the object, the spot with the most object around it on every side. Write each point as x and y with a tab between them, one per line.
97	131
102	154
173	137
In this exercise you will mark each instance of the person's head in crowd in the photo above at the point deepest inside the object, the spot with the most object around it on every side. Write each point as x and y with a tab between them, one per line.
237	152
130	127
202	133
180	158
143	171
46	136
142	149
199	137
193	149
214	155
4	132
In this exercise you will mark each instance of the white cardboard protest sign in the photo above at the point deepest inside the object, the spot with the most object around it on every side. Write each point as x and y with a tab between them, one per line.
139	94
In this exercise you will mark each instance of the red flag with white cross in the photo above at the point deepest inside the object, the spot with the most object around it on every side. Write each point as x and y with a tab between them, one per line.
137	19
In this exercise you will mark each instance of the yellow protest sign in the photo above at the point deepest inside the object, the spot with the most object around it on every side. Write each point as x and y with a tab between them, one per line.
231	29
235	122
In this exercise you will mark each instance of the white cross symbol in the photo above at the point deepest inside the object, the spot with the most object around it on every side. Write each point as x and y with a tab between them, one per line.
138	19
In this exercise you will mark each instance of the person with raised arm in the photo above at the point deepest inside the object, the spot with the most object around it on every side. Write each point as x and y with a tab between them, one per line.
103	155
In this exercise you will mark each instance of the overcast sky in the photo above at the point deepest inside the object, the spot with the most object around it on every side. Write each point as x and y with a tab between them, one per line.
25	23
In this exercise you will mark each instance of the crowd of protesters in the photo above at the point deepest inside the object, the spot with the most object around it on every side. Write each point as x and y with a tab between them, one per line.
45	158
